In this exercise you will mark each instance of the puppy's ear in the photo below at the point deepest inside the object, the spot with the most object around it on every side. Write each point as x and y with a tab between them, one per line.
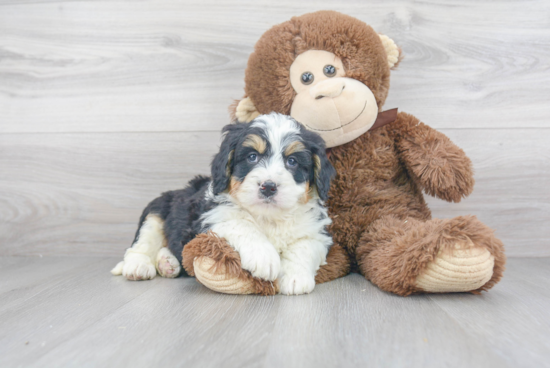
322	170
222	165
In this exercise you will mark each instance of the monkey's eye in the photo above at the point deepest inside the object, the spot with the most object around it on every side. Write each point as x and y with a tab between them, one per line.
329	70
252	158
307	78
291	162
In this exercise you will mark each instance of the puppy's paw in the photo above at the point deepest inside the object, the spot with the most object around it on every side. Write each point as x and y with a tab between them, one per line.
296	283
117	270
138	267
167	265
263	263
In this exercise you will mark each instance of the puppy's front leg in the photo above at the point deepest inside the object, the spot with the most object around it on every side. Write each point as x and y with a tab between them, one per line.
257	253
299	264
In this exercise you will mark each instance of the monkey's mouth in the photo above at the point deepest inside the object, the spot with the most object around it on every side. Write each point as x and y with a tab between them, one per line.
341	126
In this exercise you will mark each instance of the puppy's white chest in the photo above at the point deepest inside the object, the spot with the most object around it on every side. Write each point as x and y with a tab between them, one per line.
282	234
280	238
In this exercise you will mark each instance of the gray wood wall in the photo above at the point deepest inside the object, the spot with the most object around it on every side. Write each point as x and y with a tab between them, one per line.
104	104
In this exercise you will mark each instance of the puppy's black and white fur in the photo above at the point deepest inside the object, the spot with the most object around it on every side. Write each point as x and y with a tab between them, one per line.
269	181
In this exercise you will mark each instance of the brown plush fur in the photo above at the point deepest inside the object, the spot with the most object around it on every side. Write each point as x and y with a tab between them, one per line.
393	252
439	167
378	210
338	265
267	76
211	246
381	226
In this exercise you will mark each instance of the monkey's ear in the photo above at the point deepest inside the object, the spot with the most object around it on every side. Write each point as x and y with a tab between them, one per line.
392	51
246	111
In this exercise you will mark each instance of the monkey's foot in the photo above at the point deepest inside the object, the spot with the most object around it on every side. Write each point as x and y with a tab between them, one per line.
459	269
217	266
217	279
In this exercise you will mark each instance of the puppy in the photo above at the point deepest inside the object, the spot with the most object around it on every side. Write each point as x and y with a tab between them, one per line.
266	198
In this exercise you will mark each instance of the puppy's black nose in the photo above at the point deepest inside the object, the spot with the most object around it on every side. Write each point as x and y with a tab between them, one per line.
268	188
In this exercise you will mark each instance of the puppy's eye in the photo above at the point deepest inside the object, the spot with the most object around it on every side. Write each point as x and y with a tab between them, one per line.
291	162
307	78
329	70
252	158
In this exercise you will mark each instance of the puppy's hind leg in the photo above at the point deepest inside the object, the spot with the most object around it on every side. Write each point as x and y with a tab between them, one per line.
140	260
167	264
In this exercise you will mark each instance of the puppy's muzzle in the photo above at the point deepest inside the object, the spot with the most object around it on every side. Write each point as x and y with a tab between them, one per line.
268	189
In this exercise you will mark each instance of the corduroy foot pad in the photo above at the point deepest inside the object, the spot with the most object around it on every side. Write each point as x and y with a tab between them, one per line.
221	282
462	269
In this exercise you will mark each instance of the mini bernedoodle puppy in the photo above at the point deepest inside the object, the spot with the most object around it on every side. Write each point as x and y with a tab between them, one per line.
266	198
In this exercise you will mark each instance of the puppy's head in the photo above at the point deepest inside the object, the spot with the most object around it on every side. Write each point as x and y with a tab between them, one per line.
271	163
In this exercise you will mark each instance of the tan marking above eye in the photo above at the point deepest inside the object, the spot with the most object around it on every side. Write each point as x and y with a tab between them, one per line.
256	142
294	147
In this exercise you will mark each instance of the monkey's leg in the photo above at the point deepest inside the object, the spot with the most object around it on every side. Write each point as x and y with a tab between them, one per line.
338	265
437	256
217	266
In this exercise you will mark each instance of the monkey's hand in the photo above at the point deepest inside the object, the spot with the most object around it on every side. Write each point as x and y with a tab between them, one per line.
440	167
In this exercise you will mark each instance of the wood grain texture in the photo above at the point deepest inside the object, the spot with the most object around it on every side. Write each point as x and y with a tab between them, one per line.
104	105
170	65
522	301
321	332
83	316
82	193
511	194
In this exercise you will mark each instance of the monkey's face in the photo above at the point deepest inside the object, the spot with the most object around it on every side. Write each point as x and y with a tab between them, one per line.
329	71
340	109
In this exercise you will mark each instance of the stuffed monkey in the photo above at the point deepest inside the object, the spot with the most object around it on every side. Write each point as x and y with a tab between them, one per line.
331	72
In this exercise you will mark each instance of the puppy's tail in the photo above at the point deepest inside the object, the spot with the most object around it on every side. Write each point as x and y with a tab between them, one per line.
117	270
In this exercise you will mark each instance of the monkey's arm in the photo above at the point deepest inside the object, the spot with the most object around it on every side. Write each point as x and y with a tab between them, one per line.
440	167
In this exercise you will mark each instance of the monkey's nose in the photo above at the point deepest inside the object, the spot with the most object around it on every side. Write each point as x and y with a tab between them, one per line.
268	188
328	88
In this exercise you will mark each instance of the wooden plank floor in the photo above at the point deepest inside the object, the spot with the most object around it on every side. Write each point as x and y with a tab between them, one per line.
106	104
69	311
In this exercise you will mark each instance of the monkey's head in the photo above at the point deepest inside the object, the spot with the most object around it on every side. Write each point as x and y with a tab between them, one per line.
329	71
